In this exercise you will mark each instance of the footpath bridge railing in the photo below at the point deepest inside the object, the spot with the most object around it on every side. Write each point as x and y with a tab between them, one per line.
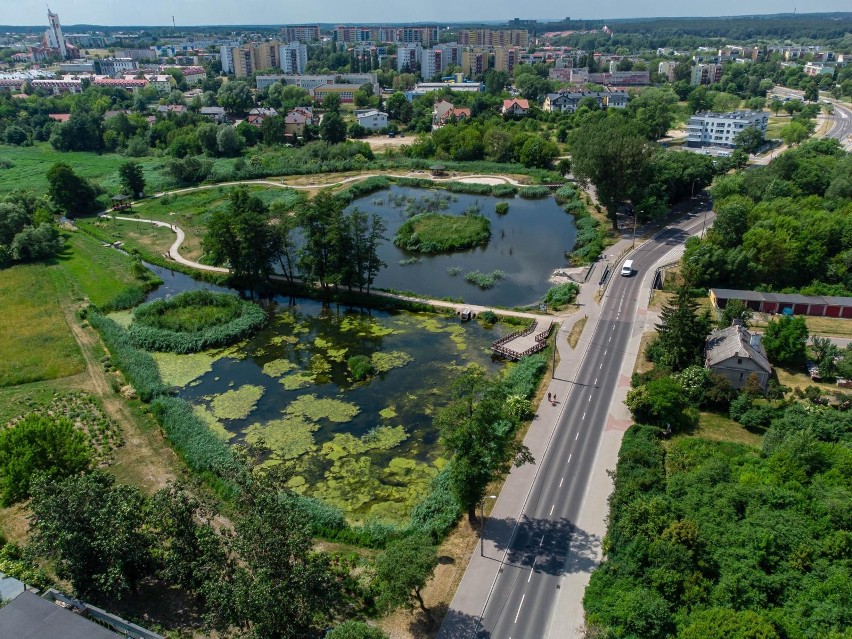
502	346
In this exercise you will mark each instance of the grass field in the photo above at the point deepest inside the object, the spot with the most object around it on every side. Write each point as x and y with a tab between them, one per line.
823	326
35	341
720	428
577	331
31	163
93	271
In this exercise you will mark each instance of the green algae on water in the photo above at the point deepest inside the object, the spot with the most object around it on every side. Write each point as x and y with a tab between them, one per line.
384	362
180	370
212	423
278	367
314	408
285	438
237	403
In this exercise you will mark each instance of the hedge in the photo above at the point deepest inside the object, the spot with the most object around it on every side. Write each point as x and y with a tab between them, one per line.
364	187
154	338
200	448
138	367
470	188
534	192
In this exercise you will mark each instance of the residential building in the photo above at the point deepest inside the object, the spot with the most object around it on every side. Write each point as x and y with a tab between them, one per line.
226	57
408	57
293	57
616	78
301	33
516	107
736	355
129	83
346	92
667	69
444	112
257	115
164	109
818	68
722	129
296	120
435	60
137	54
475	60
215	113
706	74
494	37
256	56
77	66
68	84
372	119
164	83
426	36
505	59
569	101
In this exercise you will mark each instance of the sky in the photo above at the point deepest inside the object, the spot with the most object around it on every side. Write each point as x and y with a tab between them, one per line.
215	12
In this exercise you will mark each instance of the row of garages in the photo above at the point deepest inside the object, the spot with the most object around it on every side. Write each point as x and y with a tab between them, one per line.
785	303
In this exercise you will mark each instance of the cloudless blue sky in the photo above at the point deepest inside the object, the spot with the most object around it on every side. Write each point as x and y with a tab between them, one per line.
200	12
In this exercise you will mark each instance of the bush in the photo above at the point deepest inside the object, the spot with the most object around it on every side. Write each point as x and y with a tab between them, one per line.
420	183
504	190
128	298
488	317
438	232
364	187
470	188
485	280
39	445
355	630
523	377
534	192
566	192
438	511
194	321
360	366
561	294
502	208
138	367
200	448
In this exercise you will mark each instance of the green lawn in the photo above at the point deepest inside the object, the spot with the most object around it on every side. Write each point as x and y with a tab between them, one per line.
31	163
437	232
88	269
35	341
718	427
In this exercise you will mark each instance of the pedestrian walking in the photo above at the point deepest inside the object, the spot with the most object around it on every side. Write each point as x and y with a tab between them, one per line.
554	398
548	397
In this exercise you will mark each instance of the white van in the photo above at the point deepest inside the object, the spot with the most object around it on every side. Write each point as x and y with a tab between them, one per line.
627	269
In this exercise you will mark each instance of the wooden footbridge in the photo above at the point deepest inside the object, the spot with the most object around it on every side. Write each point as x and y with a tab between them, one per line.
522	343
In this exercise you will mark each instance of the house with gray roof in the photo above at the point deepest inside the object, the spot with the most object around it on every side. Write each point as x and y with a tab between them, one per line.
736	354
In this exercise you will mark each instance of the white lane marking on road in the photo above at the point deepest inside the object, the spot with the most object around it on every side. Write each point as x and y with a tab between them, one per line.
541	542
590	398
607	350
584	416
596	381
601	366
532	570
518	614
560	485
569	459
577	436
551	509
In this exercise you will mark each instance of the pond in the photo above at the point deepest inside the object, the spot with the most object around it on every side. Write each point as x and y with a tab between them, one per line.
527	244
367	447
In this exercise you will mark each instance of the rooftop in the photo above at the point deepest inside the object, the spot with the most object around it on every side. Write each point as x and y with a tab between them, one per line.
28	616
735	341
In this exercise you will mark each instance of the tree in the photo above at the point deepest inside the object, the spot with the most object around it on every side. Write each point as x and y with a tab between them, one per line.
331	103
355	630
785	339
811	92
241	237
16	136
611	154
749	139
736	310
537	152
206	134
399	108
659	402
286	97
189	170
284	247
654	111
728	623
132	179
825	355
794	133
275	583
776	105
188	552
374	263
39	446
34	243
228	142
681	332
72	194
332	127
93	528
479	433
235	97
402	571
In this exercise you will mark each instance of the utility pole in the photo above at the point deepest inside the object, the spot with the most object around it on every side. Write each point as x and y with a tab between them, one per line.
635	214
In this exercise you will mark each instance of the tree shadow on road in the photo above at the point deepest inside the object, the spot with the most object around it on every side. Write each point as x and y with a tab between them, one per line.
557	547
458	625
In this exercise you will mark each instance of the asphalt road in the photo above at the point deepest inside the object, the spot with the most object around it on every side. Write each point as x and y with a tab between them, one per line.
525	593
841	126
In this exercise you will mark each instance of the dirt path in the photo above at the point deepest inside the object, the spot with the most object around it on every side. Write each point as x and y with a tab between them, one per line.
145	460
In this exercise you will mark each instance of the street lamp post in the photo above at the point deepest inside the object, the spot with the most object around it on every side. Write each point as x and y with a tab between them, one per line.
482	523
635	215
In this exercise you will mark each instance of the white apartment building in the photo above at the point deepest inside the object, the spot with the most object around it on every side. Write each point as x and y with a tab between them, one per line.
434	61
722	129
309	82
293	57
667	69
410	56
227	57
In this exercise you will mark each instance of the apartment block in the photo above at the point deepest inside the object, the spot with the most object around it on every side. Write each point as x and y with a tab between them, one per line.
569	101
494	37
426	36
722	129
300	33
667	70
505	59
706	74
475	60
437	59
310	82
293	57
245	60
408	57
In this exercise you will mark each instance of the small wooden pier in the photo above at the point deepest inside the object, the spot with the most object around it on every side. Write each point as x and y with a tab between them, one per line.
519	344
